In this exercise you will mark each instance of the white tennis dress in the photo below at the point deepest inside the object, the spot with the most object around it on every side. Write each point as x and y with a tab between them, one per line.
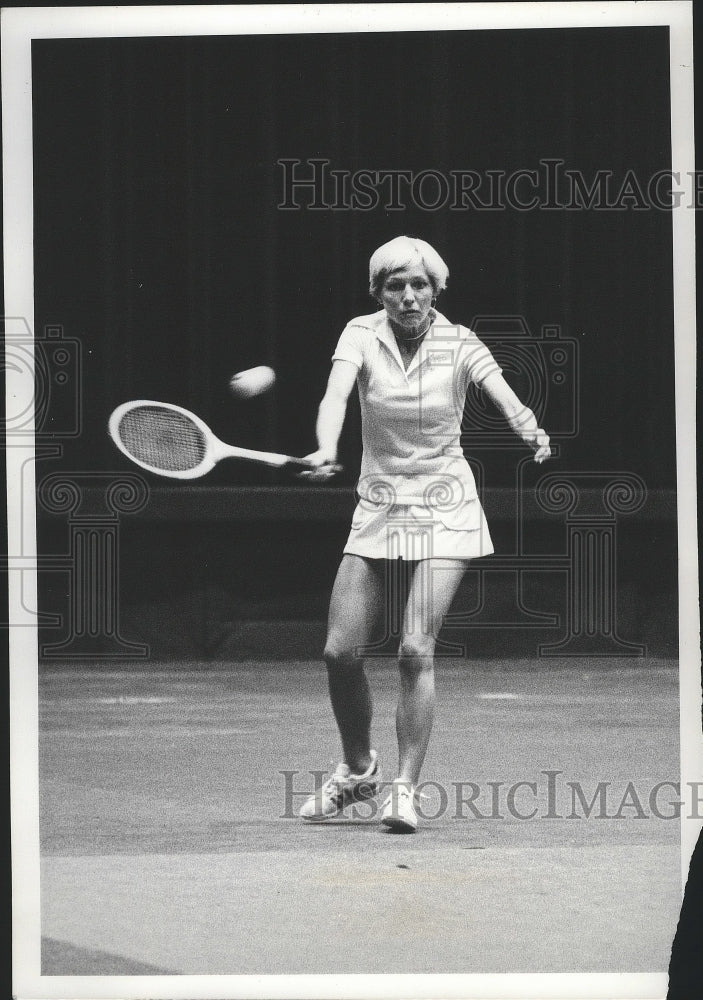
417	492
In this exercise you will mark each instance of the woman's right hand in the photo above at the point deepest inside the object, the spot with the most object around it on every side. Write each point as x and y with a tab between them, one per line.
325	466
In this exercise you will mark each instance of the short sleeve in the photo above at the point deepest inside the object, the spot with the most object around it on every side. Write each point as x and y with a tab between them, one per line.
350	346
478	361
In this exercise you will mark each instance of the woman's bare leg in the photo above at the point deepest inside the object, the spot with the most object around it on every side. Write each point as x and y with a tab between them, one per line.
356	610
434	584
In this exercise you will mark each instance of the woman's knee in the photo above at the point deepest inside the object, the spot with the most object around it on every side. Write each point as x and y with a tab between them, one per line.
416	653
340	656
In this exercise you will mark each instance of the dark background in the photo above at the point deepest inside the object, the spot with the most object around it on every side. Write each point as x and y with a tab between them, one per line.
159	246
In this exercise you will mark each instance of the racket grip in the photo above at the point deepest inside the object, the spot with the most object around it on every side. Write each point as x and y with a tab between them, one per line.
310	470
307	464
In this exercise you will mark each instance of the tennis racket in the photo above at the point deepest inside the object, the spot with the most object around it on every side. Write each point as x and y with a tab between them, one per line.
170	441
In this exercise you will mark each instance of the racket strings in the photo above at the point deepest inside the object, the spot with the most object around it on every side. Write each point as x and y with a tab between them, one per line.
162	438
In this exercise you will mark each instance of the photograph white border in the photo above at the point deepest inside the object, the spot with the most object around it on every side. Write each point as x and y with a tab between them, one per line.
19	27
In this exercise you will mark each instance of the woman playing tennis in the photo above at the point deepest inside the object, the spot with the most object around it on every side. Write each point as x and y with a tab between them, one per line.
417	502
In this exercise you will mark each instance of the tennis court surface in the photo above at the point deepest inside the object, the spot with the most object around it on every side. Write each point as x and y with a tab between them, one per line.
169	847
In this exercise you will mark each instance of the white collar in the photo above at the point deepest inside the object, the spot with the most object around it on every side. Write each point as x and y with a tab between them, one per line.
384	330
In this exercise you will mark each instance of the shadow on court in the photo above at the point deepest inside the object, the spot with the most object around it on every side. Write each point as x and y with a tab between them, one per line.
168	843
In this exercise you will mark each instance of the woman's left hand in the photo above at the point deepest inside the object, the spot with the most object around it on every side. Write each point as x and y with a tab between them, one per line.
539	442
520	417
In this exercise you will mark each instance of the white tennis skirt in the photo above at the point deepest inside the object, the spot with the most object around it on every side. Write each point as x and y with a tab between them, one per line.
416	531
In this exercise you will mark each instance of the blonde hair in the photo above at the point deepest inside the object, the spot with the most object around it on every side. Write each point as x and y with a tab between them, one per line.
402	252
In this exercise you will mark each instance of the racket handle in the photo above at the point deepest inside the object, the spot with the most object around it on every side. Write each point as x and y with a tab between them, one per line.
270	458
316	471
334	469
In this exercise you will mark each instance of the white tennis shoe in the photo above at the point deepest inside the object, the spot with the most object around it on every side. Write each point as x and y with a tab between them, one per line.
398	811
341	789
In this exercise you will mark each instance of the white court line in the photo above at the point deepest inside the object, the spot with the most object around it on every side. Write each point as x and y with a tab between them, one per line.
499	695
125	730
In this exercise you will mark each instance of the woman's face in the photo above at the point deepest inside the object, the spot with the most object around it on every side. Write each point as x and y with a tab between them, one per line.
406	295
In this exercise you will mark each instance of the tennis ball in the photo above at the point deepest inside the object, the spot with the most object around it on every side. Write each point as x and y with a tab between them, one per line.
252	382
